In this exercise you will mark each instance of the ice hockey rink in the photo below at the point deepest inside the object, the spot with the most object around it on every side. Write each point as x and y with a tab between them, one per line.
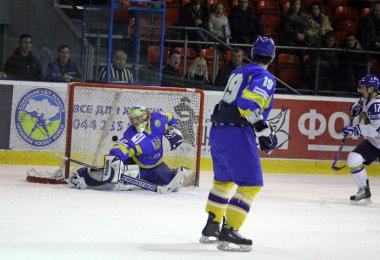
293	217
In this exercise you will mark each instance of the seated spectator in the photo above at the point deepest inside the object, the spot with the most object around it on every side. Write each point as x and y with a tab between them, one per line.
194	15
224	72
170	74
63	69
218	23
328	65
22	64
198	71
318	24
369	29
352	65
293	26
245	25
118	70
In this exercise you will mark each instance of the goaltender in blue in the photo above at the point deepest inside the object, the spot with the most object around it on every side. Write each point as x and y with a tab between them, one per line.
137	158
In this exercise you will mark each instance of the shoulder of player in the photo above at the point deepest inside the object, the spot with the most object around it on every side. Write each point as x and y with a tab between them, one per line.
373	106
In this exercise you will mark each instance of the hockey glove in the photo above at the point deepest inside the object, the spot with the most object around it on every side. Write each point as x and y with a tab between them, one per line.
357	108
266	137
174	137
351	131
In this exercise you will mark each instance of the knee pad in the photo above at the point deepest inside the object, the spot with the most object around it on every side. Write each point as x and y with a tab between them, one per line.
222	188
355	162
247	192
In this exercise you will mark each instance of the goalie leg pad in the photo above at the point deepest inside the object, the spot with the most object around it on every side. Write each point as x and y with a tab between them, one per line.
176	182
113	169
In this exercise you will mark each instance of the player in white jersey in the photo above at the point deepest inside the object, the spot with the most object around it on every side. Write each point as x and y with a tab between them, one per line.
369	150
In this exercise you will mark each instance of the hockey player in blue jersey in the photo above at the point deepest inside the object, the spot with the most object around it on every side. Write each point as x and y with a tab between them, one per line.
141	144
238	127
369	150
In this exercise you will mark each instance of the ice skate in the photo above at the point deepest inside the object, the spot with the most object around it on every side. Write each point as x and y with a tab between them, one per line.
362	196
231	240
211	231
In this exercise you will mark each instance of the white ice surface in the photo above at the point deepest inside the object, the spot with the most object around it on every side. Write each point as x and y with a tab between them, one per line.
293	217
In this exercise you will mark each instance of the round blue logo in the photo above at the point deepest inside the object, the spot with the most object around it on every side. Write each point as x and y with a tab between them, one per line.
40	117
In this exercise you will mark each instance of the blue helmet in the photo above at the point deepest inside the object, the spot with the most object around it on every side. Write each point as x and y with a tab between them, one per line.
370	81
264	46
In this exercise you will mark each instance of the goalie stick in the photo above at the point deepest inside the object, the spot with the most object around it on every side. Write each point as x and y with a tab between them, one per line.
124	178
334	166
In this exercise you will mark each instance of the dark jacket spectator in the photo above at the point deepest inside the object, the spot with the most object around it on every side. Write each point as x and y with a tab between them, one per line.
245	25
170	74
22	64
352	65
369	29
293	26
328	65
225	71
194	15
63	69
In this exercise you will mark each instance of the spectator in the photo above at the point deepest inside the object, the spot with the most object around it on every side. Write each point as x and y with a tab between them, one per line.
63	69
245	25
218	23
224	72
352	65
294	26
118	70
198	71
170	74
318	25
328	64
194	15
369	29
22	64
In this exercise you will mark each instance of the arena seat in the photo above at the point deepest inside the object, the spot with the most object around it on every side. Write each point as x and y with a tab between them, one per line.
374	66
346	19
340	35
334	3
271	32
172	14
307	3
288	67
191	55
154	54
268	7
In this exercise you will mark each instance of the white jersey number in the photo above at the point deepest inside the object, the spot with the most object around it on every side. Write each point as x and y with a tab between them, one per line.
232	88
234	83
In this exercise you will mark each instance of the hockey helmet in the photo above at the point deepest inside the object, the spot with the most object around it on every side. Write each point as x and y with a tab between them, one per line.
263	46
370	81
139	116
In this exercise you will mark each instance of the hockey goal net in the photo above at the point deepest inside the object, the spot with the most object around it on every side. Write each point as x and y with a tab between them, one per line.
98	112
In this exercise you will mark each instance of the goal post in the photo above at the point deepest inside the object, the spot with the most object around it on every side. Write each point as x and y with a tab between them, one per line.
97	112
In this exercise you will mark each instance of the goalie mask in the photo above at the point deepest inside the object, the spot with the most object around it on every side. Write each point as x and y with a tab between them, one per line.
139	116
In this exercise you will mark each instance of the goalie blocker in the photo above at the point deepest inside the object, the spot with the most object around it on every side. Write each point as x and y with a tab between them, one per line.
117	176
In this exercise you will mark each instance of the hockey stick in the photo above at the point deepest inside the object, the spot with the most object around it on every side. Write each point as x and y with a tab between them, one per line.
77	162
334	166
124	178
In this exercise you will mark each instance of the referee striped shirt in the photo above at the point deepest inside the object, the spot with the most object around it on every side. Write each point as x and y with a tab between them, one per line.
123	75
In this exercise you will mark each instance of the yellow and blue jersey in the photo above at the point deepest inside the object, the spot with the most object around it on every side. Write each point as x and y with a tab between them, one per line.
145	148
249	88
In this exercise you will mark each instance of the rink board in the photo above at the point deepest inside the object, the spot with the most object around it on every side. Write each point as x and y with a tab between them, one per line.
308	129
